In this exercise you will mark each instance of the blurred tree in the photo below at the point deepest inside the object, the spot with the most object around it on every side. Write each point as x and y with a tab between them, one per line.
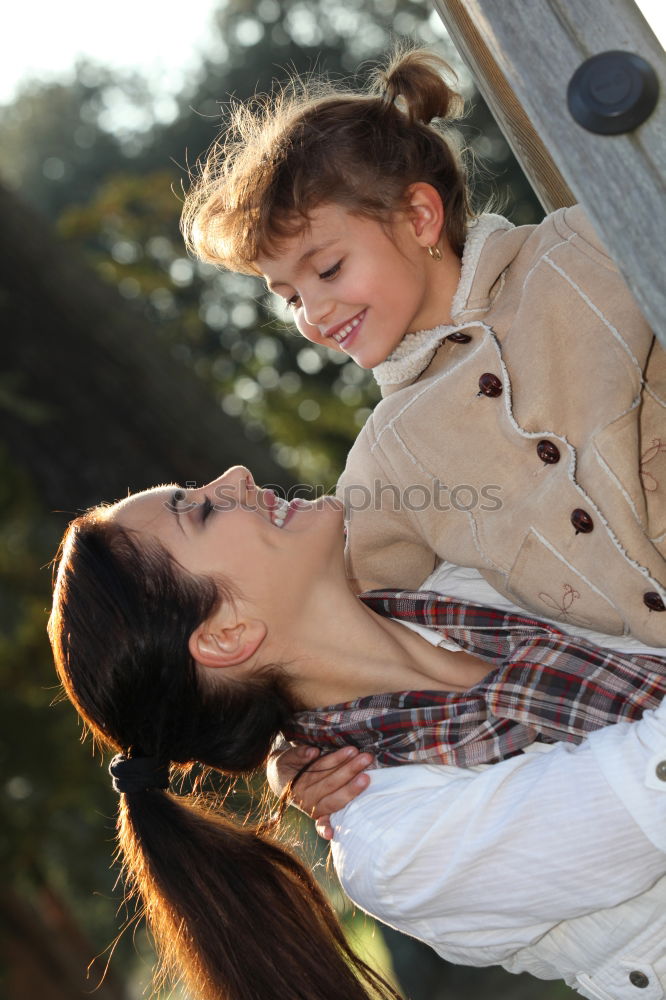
55	146
94	403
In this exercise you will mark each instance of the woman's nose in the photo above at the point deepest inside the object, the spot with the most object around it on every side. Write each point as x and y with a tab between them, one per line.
237	480
234	475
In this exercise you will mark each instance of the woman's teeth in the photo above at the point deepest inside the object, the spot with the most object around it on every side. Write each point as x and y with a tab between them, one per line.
347	329
279	512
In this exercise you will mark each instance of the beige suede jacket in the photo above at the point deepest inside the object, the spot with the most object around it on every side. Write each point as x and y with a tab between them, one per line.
527	440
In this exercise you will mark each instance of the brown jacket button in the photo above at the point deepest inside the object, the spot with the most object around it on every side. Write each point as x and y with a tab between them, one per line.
548	452
490	385
639	979
459	338
653	601
581	520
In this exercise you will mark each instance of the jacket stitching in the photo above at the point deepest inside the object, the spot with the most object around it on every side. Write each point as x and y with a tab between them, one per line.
551	548
607	469
431	385
571	473
657	398
477	544
543	258
595	309
571	467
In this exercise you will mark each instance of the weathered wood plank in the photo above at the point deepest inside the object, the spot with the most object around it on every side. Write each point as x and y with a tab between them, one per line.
528	148
531	48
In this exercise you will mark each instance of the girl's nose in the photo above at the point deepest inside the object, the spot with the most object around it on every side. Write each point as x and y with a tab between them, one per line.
316	308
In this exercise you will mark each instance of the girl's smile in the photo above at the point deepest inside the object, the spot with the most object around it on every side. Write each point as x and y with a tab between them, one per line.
358	286
344	333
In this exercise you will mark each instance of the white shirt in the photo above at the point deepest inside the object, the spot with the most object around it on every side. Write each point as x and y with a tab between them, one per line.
552	862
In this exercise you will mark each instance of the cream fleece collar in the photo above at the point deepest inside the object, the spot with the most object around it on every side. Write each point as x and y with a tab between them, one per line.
415	350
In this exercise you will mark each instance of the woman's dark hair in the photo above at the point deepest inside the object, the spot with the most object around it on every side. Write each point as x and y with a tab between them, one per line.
233	913
313	142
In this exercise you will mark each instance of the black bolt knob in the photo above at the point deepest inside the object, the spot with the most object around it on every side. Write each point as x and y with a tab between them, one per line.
613	92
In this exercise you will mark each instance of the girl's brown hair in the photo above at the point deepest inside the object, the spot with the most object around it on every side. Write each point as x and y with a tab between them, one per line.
315	142
234	914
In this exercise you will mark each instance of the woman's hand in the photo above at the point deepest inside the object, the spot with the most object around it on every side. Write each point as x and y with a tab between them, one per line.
327	785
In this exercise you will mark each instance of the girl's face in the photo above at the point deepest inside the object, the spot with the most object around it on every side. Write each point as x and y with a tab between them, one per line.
355	286
271	553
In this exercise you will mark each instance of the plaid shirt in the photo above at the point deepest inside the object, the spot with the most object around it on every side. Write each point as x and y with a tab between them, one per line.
542	685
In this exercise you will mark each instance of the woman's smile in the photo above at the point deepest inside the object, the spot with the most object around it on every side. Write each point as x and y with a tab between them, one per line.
280	510
246	534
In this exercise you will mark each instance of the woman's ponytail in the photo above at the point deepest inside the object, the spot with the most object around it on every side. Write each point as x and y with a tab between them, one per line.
414	81
234	914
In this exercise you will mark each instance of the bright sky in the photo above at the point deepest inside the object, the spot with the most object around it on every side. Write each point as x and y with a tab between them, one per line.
159	37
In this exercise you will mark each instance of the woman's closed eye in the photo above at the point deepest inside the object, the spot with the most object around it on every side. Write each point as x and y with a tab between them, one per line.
206	508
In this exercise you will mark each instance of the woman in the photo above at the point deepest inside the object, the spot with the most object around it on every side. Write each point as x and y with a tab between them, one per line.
170	663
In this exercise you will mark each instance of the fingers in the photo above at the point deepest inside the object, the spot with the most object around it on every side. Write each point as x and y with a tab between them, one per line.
300	755
324	828
332	781
285	765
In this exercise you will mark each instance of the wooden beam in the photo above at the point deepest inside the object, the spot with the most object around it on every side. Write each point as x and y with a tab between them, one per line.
523	54
550	187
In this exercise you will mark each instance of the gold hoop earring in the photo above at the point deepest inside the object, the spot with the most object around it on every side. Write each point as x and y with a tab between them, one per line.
434	252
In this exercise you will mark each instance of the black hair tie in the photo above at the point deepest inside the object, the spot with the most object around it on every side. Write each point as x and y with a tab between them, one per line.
134	774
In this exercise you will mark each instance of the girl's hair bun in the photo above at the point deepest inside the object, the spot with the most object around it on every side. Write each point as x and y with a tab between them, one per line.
414	82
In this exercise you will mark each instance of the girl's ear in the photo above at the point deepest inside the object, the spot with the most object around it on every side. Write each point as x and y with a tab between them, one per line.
220	643
425	210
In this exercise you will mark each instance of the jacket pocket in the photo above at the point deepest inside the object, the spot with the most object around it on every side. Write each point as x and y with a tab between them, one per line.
544	582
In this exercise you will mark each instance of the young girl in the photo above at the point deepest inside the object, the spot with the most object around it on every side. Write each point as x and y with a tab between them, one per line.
188	626
523	431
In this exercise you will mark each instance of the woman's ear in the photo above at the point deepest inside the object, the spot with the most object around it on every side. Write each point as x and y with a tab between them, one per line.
425	210
221	643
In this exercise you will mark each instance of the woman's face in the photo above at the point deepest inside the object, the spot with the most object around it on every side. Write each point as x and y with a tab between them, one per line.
273	554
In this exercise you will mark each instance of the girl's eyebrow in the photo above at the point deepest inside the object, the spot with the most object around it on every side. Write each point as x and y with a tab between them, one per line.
301	262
